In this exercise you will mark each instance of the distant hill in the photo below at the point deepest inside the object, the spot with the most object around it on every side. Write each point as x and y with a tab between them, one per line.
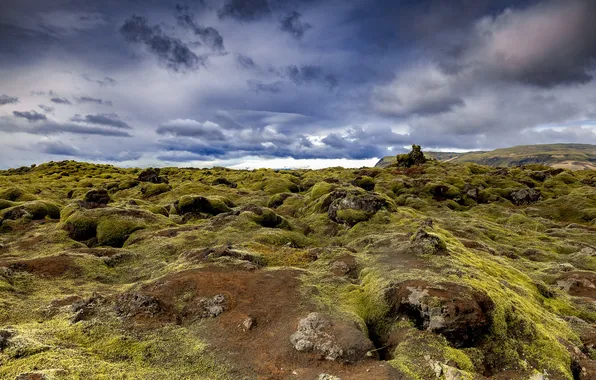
568	156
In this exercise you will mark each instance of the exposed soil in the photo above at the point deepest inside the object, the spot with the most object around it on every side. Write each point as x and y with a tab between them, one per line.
51	266
273	302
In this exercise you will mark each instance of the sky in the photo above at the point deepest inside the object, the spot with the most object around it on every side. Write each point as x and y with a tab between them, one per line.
283	83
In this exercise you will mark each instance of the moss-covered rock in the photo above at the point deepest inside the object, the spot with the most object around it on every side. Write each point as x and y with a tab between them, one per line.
153	189
107	226
199	204
34	210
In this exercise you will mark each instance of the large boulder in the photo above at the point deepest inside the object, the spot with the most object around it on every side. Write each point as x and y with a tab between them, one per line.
524	196
96	199
351	206
152	175
331	339
460	314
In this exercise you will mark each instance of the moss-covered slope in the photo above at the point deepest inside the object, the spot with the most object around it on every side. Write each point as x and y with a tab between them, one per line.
440	270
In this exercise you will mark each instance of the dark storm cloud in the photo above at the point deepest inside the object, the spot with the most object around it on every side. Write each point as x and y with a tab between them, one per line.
263	135
540	43
544	45
458	74
208	35
308	74
107	119
30	115
245	10
293	24
60	101
174	53
88	99
5	99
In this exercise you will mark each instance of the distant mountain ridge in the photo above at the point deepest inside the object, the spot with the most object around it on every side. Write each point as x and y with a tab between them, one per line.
568	156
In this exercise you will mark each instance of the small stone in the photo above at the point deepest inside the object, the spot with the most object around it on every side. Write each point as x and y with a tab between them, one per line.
248	323
325	376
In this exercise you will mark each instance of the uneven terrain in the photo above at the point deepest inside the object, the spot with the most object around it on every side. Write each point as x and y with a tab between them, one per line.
566	156
441	270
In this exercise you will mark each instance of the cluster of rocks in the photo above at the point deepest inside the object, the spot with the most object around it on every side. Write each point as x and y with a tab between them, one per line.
212	307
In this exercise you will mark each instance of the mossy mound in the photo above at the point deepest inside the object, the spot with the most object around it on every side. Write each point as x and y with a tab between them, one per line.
198	204
153	189
15	194
107	226
34	210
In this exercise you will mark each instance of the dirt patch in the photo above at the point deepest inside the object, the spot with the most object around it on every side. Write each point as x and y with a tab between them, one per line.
51	266
271	301
579	284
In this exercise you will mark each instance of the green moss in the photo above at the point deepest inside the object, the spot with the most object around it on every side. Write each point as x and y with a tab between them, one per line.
5	204
153	189
107	226
351	217
284	184
365	182
200	204
160	210
127	184
320	189
114	232
15	194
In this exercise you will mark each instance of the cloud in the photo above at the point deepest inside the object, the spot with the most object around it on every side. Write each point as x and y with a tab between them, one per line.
66	22
546	44
420	90
60	100
191	128
292	24
31	116
259	86
107	119
60	148
208	35
88	99
245	10
5	99
50	127
46	109
263	134
171	51
308	74
57	148
245	61
106	81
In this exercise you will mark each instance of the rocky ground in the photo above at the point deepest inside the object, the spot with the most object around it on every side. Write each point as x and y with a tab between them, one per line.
436	271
